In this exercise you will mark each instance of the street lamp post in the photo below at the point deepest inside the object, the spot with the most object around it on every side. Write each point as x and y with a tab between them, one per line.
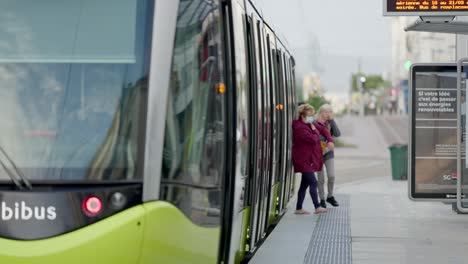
362	81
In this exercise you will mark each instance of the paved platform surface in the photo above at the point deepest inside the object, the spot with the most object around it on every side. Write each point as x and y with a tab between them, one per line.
386	227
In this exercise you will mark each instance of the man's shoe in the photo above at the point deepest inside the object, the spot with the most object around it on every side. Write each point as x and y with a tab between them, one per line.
332	201
323	204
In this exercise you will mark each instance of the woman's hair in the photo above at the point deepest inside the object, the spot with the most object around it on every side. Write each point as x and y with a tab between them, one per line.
304	108
325	107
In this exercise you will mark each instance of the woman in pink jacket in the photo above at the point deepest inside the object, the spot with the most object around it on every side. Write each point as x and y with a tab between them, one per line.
307	155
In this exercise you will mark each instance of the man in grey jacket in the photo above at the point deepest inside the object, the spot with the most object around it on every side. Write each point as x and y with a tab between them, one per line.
325	119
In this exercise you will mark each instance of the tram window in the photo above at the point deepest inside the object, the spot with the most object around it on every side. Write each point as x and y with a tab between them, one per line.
261	84
72	85
279	122
267	103
286	71
240	33
68	31
194	148
283	71
242	126
286	94
194	142
253	108
259	114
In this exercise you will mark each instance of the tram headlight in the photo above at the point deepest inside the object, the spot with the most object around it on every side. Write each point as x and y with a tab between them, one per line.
118	200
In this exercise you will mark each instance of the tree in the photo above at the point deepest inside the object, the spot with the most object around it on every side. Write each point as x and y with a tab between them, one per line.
372	82
317	101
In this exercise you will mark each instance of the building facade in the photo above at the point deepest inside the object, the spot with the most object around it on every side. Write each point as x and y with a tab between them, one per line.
414	47
417	47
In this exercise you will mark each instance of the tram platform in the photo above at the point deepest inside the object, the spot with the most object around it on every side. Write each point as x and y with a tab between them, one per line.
375	223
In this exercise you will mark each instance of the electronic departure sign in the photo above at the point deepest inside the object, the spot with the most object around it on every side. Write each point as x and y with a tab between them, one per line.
425	7
433	138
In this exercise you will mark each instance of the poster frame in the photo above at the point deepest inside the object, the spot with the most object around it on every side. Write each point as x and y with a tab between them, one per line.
436	197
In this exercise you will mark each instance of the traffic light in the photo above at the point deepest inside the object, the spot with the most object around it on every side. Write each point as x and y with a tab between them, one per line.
408	65
363	80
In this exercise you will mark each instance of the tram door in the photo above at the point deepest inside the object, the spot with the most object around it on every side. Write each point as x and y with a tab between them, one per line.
267	123
290	110
256	125
275	151
282	128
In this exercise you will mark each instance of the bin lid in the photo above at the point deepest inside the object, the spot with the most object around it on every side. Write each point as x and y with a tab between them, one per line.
398	145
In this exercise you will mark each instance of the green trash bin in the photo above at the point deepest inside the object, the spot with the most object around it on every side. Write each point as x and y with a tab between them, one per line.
399	158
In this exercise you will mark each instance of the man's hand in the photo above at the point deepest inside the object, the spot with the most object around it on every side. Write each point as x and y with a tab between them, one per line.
331	145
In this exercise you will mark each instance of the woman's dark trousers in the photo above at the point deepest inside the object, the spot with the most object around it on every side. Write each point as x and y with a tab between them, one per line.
308	180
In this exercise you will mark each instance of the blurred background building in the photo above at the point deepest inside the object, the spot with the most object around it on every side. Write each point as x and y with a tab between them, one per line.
414	47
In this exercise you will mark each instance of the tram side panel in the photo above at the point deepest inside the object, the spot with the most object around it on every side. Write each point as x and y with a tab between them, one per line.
194	151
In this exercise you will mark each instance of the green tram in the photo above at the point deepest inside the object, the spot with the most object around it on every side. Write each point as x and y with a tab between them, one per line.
141	131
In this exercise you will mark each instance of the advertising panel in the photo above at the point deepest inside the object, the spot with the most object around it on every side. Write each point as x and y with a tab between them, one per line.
433	139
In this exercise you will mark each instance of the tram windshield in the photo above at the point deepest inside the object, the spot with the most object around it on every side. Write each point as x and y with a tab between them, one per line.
73	75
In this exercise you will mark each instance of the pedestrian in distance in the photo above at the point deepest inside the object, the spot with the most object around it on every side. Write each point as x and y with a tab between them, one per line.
325	121
307	155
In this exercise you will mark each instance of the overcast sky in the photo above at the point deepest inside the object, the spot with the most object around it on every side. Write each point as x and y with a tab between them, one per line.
342	31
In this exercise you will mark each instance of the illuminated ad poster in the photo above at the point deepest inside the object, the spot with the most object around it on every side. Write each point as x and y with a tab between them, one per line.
434	132
424	6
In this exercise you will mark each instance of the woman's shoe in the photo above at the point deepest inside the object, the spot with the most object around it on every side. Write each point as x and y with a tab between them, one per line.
323	204
320	210
301	212
332	201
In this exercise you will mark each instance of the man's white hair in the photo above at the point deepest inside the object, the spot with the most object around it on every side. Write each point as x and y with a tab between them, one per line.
325	107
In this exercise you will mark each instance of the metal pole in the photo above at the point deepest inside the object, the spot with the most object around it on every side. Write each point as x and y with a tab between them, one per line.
459	141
